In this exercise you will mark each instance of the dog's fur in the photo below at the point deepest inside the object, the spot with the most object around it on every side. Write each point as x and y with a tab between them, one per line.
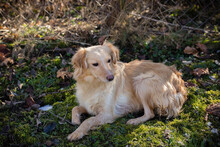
138	85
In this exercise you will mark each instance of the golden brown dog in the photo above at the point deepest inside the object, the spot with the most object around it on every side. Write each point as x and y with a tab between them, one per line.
108	89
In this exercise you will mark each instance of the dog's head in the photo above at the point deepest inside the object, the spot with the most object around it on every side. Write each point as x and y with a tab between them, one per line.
96	62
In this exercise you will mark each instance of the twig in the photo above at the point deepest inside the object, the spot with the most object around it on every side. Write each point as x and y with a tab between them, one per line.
62	118
17	11
77	42
66	112
175	25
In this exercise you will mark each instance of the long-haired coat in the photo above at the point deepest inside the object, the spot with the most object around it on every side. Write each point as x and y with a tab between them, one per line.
108	89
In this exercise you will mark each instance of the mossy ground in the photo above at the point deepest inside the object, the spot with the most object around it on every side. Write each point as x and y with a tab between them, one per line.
19	124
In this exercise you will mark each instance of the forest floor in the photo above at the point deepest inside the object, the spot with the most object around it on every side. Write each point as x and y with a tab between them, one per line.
27	83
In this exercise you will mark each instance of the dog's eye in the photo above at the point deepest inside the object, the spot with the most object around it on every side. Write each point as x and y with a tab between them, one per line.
109	60
95	64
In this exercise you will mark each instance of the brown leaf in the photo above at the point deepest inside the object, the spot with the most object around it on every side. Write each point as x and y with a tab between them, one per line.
63	72
200	71
4	52
189	84
6	61
190	50
202	47
2	56
8	40
214	109
2	47
30	101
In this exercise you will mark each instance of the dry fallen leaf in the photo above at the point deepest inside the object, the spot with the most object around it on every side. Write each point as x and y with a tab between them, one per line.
214	109
202	47
4	52
30	101
6	61
63	72
189	84
2	56
200	71
190	50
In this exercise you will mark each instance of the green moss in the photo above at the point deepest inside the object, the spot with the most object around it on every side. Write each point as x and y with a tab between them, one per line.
66	105
57	60
24	134
52	98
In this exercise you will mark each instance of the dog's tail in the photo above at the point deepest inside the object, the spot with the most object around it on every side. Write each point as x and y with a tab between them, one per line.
181	92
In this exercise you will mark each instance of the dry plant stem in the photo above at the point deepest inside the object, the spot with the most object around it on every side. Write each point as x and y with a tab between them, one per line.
17	11
66	112
175	25
62	119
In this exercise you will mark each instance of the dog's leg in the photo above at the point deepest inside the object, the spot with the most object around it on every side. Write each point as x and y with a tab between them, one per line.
148	114
76	112
89	123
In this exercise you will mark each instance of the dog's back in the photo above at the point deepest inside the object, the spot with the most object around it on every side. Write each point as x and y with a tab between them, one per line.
159	87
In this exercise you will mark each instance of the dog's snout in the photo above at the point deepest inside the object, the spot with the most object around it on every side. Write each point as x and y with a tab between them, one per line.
110	77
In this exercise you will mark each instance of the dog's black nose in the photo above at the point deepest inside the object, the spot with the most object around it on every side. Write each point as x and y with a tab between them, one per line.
110	77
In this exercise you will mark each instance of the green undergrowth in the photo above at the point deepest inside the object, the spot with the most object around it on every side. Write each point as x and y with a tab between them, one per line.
21	125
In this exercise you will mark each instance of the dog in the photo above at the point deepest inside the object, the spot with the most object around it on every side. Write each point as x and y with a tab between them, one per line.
108	89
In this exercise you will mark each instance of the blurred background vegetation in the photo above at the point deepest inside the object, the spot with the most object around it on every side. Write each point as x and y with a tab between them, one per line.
152	26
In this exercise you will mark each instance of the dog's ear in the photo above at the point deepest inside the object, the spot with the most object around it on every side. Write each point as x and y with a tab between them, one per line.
79	59
114	51
79	62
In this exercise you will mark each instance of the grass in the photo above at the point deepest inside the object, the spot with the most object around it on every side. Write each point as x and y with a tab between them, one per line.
19	123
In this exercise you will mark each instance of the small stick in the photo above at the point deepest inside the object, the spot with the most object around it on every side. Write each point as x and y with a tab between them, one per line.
62	118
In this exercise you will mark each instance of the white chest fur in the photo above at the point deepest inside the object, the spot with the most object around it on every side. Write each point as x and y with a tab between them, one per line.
95	98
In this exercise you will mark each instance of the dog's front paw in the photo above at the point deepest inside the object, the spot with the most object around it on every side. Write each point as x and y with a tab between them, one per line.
76	135
133	122
76	120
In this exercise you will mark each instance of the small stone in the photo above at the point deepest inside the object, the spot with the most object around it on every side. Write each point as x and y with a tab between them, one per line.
214	131
209	124
187	62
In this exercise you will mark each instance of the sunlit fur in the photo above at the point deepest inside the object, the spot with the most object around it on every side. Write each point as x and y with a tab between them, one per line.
139	85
